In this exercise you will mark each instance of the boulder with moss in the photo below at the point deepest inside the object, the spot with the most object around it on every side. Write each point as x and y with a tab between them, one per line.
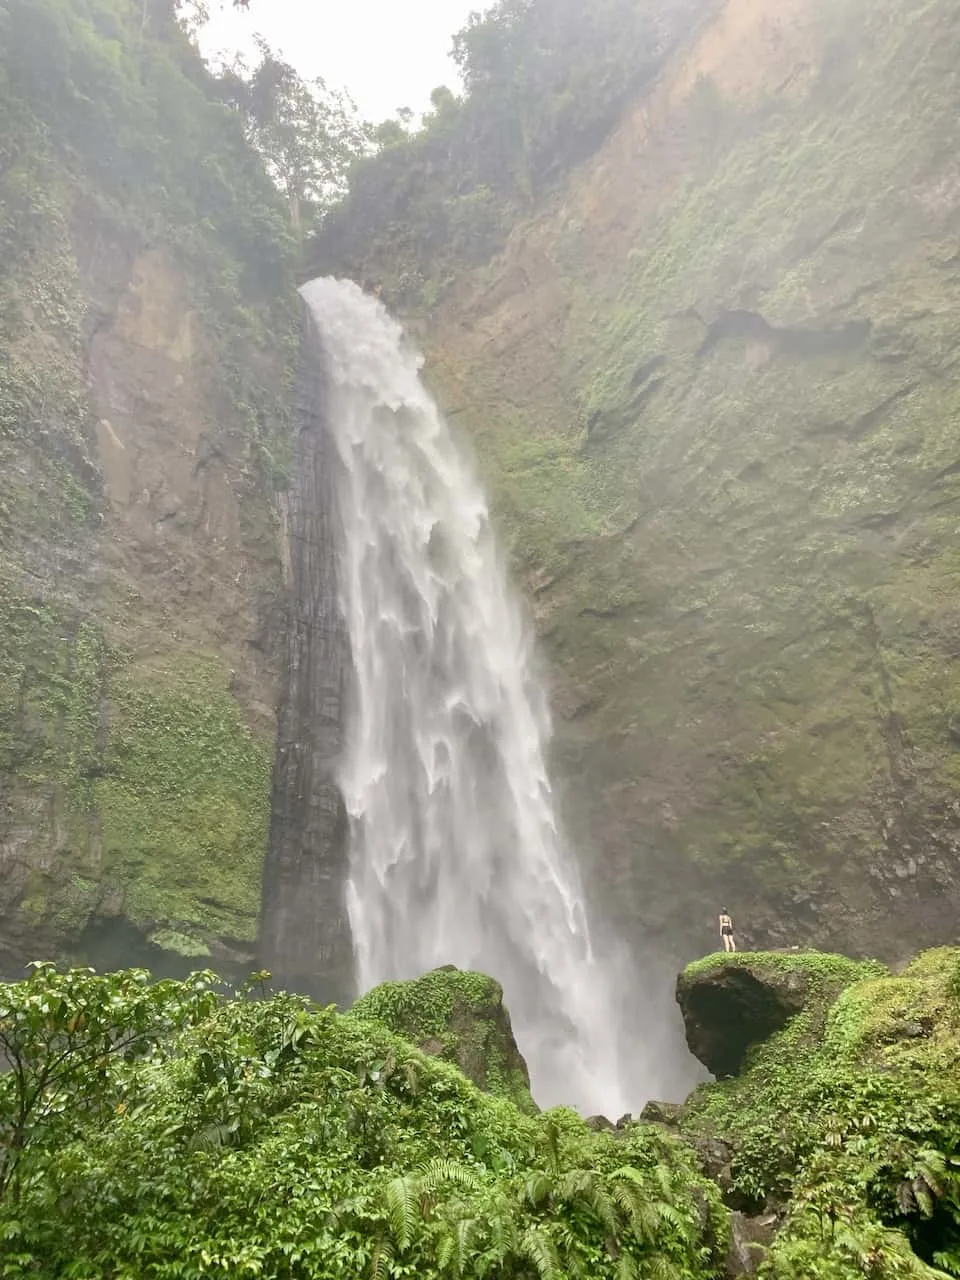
730	1002
844	1124
460	1017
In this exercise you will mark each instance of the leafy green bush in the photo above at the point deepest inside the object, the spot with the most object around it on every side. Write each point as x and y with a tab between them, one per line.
848	1120
279	1139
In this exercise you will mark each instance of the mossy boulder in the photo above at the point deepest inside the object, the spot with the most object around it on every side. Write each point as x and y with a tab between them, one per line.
460	1017
843	1124
730	1002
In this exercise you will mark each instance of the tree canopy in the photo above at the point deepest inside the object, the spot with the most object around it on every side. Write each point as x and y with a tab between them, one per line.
544	81
308	134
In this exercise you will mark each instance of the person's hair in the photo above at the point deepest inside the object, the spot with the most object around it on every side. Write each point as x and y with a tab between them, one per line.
724	911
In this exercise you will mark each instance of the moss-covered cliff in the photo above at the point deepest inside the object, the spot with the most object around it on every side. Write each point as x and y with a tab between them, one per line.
838	1137
712	382
146	336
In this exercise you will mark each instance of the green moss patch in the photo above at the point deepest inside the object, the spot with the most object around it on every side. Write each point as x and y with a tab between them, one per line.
457	1016
184	802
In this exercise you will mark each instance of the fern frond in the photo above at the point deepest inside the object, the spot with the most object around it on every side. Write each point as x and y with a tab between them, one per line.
502	1225
441	1172
582	1187
664	1177
641	1214
380	1260
553	1144
401	1200
660	1267
626	1267
670	1215
466	1231
539	1249
931	1169
537	1189
446	1250
575	1183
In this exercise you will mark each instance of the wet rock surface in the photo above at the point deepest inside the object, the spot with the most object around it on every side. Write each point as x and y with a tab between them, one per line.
750	1237
305	934
734	1006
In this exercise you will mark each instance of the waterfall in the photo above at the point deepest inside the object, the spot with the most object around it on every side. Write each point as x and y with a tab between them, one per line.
456	856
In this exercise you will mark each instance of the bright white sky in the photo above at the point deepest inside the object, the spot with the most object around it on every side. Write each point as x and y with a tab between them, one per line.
386	53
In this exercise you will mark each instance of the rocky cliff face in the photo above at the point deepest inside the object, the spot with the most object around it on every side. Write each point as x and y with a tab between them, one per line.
305	933
713	385
146	321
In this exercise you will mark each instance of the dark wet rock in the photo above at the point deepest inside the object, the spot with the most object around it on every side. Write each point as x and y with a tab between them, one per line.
732	1002
599	1123
668	1113
714	1156
304	931
750	1237
731	1007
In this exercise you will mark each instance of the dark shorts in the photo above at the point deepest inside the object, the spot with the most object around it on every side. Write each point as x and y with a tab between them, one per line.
726	931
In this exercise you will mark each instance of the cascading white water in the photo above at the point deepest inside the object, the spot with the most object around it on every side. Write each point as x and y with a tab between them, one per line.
456	856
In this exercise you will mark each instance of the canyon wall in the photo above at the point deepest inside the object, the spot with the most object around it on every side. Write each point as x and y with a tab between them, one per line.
148	334
712	382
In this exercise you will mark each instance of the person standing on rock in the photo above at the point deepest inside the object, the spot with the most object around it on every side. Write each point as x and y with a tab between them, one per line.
726	931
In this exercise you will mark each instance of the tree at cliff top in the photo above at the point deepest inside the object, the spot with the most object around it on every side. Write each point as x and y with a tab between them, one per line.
274	1138
307	133
544	82
546	79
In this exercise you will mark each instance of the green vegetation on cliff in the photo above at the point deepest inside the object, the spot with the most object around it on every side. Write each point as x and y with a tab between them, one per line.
845	1123
207	1137
544	82
148	334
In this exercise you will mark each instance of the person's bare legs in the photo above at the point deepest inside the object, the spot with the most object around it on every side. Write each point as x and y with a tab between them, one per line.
733	945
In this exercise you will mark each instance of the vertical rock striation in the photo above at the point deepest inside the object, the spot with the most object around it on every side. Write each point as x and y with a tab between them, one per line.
305	937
